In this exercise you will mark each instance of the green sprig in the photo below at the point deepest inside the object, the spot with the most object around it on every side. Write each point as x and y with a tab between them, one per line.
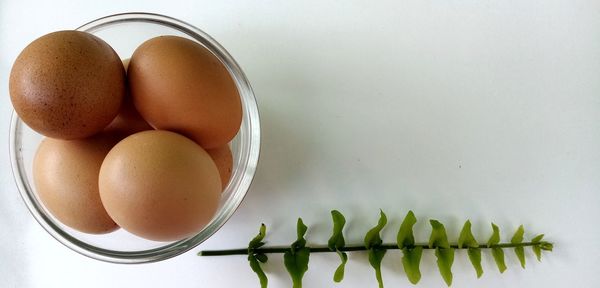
296	256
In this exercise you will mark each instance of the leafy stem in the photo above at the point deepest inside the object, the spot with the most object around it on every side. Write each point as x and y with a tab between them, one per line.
320	249
296	256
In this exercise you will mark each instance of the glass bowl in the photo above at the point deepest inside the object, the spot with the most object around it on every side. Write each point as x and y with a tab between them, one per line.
125	32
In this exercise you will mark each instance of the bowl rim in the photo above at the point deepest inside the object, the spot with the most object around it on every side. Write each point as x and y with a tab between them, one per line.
178	247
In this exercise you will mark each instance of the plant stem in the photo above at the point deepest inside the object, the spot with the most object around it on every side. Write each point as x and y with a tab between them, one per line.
267	250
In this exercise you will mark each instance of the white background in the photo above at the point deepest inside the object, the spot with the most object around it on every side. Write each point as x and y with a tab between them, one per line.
487	110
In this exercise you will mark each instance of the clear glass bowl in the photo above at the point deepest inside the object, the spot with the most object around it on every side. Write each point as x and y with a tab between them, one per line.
125	32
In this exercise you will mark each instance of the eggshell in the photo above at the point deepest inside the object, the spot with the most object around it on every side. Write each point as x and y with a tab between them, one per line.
179	85
65	173
67	84
224	161
159	185
128	121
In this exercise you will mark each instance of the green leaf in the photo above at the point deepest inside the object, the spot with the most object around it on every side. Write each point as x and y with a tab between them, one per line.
296	264
547	246
262	277
438	236
261	257
537	238
256	242
466	237
337	238
519	251
254	258
372	239
443	252
498	254
296	259
445	258
337	242
338	276
405	236
475	258
375	258
372	243
537	250
411	261
300	231
412	255
495	238
518	237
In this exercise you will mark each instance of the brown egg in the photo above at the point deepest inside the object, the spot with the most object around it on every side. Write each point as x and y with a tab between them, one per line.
179	85
67	84
224	161
160	185
128	121
65	173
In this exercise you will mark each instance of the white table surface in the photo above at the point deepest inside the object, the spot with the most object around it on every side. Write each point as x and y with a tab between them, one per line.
487	110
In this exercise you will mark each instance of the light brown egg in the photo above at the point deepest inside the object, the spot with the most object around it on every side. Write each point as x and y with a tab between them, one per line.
65	174
224	161
179	85
160	185
67	84
129	120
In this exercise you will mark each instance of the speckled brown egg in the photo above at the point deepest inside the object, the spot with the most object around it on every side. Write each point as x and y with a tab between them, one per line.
159	185
67	84
224	161
65	173
179	85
